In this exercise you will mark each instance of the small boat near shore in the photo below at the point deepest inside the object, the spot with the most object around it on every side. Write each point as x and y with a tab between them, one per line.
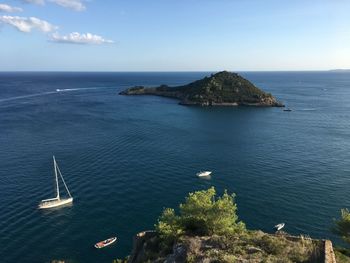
204	173
106	242
288	109
279	226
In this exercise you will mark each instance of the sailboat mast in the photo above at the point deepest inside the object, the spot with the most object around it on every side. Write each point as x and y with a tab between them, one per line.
55	168
59	171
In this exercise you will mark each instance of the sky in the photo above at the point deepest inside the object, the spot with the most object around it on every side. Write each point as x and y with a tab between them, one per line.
174	35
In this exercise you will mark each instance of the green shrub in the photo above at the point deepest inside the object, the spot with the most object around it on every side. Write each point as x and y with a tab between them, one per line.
201	214
209	215
342	226
168	226
272	245
342	255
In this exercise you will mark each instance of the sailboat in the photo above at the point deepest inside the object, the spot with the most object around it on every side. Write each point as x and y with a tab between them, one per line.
57	201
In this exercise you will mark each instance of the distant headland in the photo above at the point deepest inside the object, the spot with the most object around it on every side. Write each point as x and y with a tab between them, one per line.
340	70
220	89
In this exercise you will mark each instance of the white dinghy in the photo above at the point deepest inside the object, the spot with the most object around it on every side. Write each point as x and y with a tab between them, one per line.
204	173
279	226
57	201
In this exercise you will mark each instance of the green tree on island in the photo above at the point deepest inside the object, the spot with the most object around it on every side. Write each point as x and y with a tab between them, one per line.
202	214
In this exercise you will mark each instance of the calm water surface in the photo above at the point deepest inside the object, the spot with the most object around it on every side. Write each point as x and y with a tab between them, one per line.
125	158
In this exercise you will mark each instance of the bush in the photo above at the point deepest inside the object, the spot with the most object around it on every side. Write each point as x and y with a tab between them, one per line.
342	226
201	214
168	226
272	245
342	255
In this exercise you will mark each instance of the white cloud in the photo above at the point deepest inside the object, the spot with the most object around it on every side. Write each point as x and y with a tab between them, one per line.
27	24
9	9
77	38
76	5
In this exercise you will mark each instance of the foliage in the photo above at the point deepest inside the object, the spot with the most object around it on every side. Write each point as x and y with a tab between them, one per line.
270	245
342	225
253	246
207	227
342	255
201	214
125	260
168	226
223	87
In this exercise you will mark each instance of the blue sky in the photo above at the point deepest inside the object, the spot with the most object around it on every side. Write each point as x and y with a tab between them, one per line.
174	35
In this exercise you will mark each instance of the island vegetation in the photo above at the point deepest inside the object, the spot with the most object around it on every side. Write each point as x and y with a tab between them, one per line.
220	89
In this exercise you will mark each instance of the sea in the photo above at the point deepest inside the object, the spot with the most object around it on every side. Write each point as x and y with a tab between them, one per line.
126	158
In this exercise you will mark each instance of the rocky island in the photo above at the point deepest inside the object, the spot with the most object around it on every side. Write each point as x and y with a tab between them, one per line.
220	89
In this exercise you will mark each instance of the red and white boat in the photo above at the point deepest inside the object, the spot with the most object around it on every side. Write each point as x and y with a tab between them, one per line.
106	242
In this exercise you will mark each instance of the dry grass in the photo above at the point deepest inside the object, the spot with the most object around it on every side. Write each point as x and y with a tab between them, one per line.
253	246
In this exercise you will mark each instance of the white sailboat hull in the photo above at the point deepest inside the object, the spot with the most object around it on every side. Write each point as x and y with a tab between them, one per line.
51	203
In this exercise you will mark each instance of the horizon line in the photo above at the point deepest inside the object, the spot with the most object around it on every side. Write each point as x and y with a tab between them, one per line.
165	71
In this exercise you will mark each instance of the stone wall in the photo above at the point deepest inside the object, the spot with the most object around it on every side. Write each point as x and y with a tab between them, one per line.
329	256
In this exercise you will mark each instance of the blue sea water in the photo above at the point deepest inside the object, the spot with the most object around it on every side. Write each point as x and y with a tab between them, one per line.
125	158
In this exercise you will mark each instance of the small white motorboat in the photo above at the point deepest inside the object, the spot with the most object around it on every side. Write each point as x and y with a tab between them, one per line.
204	173
279	226
106	242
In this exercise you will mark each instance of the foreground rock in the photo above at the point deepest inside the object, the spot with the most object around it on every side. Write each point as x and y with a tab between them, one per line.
251	247
220	89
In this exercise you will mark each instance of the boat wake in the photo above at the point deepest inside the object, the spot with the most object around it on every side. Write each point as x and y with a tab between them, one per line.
27	96
308	109
44	94
66	90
